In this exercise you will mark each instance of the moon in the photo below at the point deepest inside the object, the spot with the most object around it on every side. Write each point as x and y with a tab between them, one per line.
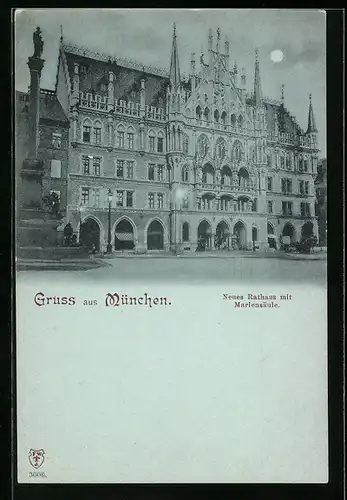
276	56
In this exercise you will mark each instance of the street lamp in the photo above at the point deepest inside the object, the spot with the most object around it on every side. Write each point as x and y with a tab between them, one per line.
109	244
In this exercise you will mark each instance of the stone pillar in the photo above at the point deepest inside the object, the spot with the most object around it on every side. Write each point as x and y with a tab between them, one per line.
110	91
142	98
35	65
142	136
110	132
76	85
74	118
32	168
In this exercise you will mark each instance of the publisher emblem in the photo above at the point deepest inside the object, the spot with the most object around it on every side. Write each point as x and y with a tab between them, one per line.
36	458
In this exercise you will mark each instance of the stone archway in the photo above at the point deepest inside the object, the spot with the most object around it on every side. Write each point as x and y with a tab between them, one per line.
155	236
124	236
204	235
240	232
222	235
307	230
289	232
90	233
271	236
185	232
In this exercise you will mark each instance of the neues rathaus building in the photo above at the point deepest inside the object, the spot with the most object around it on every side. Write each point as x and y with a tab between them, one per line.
180	158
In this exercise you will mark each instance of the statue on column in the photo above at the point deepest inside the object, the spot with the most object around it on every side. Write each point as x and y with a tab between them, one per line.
38	43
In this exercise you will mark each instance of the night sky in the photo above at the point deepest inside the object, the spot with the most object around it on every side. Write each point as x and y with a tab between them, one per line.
146	35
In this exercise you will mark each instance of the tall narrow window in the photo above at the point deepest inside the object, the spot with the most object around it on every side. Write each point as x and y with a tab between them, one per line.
130	140
151	172
160	145
96	165
86	133
160	172
85	165
130	169
160	200
96	197
97	134
269	183
130	196
119	199
185	202
151	143
56	141
120	138
120	168
85	196
151	200
270	207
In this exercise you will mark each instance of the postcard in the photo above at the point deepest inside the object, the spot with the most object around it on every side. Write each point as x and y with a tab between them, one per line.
171	243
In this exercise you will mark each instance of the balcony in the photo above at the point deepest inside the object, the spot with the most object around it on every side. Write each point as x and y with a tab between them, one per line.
93	101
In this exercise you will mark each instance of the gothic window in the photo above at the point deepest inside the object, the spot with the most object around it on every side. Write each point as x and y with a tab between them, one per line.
216	116
96	165
151	172
130	169
185	231
119	198
96	197
85	165
198	112
86	131
85	196
237	151
185	174
288	162
130	138
203	145
240	122
120	136
220	148
270	207
151	142
224	119
56	141
160	200
151	200
269	183
207	114
282	162
97	132
301	165
160	172
185	144
120	169
130	198
233	120
160	143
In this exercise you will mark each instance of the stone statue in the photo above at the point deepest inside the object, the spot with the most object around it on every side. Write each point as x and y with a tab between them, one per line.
38	43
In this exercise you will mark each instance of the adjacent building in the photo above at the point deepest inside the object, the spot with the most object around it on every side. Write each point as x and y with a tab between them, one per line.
321	201
176	158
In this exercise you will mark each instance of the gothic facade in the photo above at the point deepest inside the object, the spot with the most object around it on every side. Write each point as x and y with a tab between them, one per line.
182	159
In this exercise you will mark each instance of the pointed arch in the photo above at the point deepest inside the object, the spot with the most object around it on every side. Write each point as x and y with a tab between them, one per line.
220	148
207	114
198	112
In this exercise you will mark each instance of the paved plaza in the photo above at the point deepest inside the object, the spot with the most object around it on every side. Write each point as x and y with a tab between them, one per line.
199	270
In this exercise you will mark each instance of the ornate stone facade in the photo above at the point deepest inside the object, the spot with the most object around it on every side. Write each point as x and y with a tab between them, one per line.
185	158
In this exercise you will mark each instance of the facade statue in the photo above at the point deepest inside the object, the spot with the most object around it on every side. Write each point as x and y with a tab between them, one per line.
38	43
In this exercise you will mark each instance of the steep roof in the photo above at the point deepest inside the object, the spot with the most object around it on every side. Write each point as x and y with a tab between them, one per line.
50	107
286	122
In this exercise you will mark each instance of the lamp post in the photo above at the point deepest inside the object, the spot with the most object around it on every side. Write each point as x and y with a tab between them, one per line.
109	244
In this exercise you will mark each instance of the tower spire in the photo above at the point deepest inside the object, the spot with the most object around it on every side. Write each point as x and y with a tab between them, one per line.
175	77
311	126
258	95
